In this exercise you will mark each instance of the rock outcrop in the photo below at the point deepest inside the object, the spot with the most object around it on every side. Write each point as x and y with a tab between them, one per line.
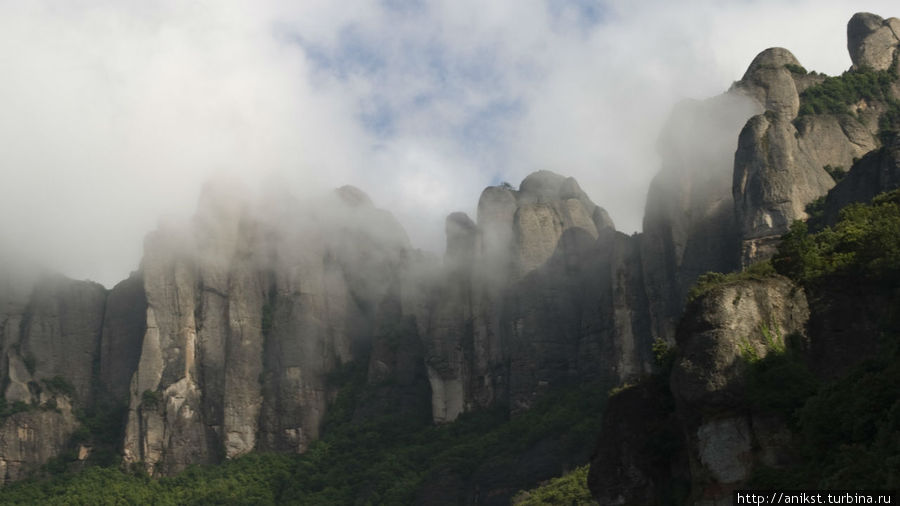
873	42
223	342
689	221
245	318
877	172
540	292
780	159
30	438
701	435
719	336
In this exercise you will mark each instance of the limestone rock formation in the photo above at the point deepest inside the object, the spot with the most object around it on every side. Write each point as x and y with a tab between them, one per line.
877	172
540	292
30	438
718	333
245	317
780	158
58	334
873	42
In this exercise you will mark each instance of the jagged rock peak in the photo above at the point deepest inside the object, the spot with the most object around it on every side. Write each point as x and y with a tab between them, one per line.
772	58
771	83
544	185
873	41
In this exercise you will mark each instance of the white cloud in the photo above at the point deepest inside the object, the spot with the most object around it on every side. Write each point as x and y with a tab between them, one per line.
114	113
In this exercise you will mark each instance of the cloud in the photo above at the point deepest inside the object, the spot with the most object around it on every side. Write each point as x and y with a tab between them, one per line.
115	113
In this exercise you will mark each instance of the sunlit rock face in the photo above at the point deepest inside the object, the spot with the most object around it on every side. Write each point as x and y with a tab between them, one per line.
780	158
873	42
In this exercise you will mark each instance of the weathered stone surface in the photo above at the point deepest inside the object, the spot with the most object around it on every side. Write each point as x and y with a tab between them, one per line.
30	438
778	166
771	83
719	332
877	172
774	180
717	327
873	42
58	335
247	311
548	205
541	292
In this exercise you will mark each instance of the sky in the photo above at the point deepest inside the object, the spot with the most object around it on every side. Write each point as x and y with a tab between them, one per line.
113	114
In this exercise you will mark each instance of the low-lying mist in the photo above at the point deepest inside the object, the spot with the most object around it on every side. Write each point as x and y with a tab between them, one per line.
115	115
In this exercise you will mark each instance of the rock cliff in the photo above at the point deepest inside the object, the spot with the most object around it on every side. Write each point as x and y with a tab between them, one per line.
225	339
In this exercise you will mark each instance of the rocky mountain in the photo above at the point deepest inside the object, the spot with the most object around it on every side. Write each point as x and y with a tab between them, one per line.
228	338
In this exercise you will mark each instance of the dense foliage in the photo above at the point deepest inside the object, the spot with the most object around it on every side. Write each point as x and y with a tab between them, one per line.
848	430
863	246
835	95
569	489
710	280
380	461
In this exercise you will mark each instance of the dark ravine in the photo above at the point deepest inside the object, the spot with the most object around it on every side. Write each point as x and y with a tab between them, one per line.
222	342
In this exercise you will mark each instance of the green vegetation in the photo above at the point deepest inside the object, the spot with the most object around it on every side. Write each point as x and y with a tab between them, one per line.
836	172
380	461
847	432
780	382
796	69
863	245
889	123
835	95
151	399
710	280
569	489
7	410
664	356
59	385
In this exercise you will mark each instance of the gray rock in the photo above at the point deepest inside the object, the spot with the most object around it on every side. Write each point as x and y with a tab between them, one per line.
873	42
248	309
772	84
774	180
59	335
29	439
124	325
877	172
720	328
720	332
689	221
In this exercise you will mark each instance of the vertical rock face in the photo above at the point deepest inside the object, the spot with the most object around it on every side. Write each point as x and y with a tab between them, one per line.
873	42
711	439
689	223
540	292
31	438
718	332
49	335
124	325
877	172
245	317
59	335
780	159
